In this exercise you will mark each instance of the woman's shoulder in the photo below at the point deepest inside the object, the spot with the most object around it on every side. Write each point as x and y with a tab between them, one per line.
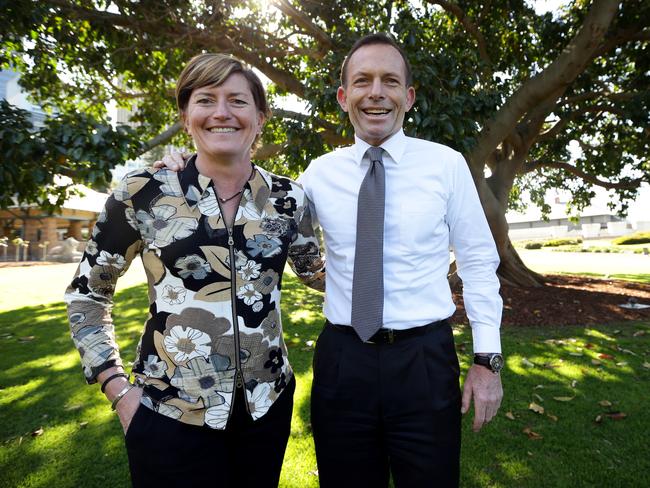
133	182
279	182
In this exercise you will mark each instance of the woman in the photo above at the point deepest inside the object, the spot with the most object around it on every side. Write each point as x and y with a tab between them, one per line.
213	392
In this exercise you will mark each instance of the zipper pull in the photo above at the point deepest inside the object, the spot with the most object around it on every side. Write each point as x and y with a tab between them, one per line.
240	380
231	242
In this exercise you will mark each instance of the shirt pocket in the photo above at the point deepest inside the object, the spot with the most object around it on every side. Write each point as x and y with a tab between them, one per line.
422	225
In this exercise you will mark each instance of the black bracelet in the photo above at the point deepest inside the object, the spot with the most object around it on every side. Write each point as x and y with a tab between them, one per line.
112	377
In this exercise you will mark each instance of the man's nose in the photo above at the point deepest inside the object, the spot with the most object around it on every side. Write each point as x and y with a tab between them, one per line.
376	89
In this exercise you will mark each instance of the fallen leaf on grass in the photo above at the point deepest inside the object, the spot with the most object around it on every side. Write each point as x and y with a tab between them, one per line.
527	363
605	403
536	408
313	472
574	383
621	363
37	432
595	362
26	339
589	345
646	365
552	417
605	356
72	408
538	387
563	398
510	415
82	424
598	419
616	415
531	434
638	333
626	351
577	354
538	398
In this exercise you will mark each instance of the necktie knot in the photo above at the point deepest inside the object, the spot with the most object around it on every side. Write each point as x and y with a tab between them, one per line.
375	154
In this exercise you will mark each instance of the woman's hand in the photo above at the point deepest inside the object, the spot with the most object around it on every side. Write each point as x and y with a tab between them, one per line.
127	407
175	161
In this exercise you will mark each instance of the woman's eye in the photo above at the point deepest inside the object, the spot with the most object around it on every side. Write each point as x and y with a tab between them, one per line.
238	101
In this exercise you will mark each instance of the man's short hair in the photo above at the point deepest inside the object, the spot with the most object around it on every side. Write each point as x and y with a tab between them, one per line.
379	38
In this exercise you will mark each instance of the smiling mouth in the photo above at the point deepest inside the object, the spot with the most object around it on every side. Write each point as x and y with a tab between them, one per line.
376	111
222	129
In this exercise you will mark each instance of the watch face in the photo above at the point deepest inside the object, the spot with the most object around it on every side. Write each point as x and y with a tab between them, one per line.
496	362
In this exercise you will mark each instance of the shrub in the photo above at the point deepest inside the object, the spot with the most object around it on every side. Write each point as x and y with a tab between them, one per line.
562	242
533	245
636	238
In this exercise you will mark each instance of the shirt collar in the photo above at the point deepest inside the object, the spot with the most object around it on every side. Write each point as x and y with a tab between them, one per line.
394	146
194	184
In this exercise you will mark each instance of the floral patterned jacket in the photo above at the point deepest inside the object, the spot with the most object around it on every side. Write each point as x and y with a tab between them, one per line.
214	292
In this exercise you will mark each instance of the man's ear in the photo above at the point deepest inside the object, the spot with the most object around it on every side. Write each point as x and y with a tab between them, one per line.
410	97
342	98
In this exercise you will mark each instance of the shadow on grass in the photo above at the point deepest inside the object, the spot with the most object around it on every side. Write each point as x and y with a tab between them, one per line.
43	388
41	385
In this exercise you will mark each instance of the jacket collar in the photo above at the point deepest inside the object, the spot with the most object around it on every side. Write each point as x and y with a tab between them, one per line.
195	185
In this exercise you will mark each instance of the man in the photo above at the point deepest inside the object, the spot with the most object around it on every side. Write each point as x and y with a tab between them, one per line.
392	403
387	401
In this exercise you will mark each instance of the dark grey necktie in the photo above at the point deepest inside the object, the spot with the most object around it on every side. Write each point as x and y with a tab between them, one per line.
368	278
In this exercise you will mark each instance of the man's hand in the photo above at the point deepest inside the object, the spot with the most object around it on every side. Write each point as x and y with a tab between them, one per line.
174	161
127	406
485	387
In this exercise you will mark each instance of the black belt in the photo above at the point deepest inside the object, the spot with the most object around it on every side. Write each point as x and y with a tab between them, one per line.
387	336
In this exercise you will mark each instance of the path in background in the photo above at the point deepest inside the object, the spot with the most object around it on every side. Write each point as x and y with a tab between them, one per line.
585	262
23	286
33	285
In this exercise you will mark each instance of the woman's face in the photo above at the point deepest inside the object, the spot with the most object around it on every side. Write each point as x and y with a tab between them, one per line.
223	120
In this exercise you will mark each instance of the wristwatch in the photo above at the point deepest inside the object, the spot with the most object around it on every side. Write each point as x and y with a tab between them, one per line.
493	362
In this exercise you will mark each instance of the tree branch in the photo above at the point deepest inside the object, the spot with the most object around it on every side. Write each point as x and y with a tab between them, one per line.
629	184
306	23
555	78
162	138
471	28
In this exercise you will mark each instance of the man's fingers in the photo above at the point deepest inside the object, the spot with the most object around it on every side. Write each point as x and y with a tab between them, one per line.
479	414
467	398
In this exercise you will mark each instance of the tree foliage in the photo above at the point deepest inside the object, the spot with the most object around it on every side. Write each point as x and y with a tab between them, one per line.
553	100
72	145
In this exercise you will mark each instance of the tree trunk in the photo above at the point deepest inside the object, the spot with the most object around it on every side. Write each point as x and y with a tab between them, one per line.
512	270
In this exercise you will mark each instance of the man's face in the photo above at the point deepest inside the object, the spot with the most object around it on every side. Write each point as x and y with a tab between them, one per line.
375	95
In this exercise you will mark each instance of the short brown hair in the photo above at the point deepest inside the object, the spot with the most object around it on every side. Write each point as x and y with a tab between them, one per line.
212	69
379	38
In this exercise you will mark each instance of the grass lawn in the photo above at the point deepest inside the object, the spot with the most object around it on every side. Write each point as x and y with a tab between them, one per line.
591	383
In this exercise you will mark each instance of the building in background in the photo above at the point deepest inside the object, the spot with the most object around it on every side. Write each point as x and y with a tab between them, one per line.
595	221
31	223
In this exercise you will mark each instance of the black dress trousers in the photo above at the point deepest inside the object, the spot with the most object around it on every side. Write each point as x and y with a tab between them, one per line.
387	408
164	452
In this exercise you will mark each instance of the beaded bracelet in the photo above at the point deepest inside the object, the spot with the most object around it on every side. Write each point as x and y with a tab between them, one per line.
111	378
119	396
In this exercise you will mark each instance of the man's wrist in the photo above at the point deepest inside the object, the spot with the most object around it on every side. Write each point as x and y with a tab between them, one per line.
492	361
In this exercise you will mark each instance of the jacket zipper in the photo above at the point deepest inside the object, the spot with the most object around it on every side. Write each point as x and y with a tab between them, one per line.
239	375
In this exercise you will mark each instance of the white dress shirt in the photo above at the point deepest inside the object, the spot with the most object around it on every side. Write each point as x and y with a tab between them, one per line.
431	204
